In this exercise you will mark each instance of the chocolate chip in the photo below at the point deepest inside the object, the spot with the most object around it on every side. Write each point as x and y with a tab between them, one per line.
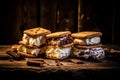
14	55
35	63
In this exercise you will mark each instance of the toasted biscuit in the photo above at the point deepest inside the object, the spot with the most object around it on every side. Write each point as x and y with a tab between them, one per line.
14	47
79	41
26	45
86	34
31	46
67	45
58	34
33	51
37	31
87	47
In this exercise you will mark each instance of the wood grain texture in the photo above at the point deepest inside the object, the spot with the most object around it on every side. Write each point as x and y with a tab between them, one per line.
66	65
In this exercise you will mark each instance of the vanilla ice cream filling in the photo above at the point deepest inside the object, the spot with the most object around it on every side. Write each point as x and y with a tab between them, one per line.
29	50
58	52
88	41
32	41
93	40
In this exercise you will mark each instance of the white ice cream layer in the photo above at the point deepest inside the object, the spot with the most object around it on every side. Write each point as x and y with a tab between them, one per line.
32	41
93	40
58	52
88	41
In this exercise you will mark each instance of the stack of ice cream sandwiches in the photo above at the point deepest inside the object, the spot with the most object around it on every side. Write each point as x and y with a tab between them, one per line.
33	41
87	44
59	45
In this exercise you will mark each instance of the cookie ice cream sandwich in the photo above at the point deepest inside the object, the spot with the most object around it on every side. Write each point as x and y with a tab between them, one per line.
35	37
33	41
87	38
59	45
87	44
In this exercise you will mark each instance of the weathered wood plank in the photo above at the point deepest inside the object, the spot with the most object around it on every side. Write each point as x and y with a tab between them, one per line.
3	49
66	64
6	64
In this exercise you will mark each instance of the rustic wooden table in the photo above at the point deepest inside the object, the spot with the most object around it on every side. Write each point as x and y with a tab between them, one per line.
87	69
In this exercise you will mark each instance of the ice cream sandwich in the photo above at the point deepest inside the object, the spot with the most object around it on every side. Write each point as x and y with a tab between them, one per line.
87	44
59	45
33	41
87	38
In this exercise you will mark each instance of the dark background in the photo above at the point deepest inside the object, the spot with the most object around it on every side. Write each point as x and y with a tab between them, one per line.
99	15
